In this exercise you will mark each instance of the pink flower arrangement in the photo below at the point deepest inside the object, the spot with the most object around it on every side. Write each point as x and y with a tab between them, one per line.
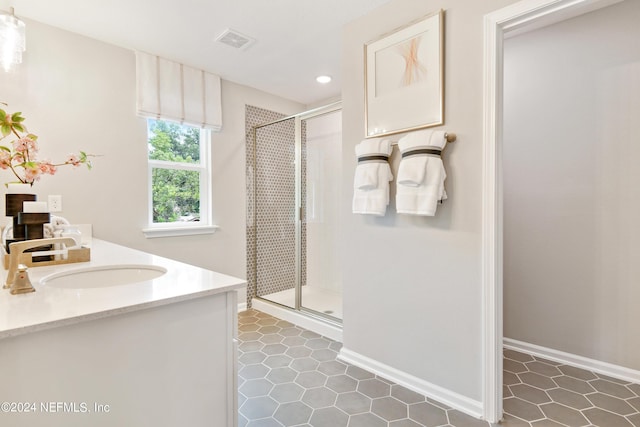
20	157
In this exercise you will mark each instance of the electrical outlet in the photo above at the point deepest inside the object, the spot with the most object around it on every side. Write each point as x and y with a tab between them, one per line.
55	203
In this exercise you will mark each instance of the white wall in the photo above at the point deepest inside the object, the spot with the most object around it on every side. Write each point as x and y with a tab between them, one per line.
79	94
572	199
412	286
322	217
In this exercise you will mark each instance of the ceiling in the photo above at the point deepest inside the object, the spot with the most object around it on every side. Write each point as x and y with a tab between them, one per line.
296	40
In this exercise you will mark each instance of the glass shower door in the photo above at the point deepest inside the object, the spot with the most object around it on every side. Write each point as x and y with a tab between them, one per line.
297	164
321	282
275	212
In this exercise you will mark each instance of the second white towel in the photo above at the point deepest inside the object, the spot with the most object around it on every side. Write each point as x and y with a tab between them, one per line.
421	174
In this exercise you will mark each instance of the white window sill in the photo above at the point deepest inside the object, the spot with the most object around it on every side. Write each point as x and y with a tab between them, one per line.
178	230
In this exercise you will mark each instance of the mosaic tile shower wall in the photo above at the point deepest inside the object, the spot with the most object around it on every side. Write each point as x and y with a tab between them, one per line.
270	175
303	201
275	208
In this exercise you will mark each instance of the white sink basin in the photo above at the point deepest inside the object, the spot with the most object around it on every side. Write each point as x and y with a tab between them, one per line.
103	276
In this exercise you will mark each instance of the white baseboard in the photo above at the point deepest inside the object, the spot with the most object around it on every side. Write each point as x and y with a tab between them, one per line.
604	368
242	306
317	326
457	401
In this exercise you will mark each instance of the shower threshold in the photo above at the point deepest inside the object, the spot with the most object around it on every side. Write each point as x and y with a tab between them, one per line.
306	319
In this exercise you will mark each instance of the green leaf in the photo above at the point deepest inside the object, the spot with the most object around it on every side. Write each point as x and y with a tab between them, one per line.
7	149
18	127
5	129
15	117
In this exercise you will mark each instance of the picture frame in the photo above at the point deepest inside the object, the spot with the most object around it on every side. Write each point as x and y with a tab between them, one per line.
404	78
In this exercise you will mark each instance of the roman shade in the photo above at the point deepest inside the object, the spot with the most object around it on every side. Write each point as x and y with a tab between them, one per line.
172	91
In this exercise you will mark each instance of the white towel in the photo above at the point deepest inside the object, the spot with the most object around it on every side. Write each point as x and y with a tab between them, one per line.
367	176
371	181
421	177
412	170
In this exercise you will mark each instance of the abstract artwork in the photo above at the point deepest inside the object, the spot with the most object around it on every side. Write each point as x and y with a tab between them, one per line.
404	78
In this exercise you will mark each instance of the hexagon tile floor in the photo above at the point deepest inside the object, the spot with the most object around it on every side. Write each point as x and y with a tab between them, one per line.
289	376
551	394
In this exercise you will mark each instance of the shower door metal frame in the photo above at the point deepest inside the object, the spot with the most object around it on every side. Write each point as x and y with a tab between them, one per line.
298	209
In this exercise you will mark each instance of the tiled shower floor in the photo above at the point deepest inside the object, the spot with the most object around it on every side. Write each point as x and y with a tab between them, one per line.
289	376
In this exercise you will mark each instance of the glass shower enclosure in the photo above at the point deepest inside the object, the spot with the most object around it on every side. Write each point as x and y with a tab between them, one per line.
297	176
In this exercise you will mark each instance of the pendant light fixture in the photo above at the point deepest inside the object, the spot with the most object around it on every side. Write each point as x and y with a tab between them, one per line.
12	40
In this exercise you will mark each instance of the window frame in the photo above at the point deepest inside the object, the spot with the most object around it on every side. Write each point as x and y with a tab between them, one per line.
203	167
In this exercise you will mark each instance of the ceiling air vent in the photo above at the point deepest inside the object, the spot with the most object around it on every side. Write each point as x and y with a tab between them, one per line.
235	39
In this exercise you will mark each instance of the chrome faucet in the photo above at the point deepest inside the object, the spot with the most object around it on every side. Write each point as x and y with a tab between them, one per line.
16	249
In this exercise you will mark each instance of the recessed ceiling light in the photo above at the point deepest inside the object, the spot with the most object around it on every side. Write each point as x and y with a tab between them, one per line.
323	79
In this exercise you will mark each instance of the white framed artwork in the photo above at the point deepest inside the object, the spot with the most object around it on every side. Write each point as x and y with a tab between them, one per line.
404	78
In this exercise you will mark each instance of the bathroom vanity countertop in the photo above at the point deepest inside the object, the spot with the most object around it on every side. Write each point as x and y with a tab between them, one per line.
51	306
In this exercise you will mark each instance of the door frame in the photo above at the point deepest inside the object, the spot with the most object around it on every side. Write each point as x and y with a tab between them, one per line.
517	18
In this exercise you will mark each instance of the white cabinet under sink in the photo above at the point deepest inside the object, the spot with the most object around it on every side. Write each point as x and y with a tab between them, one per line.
167	361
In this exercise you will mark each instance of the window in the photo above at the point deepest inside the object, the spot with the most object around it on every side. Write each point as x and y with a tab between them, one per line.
179	176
